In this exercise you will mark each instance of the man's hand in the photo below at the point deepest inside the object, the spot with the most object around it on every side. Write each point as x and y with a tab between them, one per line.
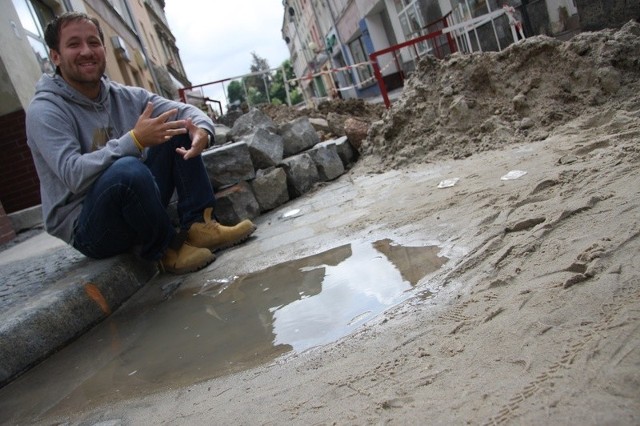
199	141
154	131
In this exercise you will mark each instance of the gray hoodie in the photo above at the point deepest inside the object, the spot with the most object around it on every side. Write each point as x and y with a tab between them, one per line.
73	139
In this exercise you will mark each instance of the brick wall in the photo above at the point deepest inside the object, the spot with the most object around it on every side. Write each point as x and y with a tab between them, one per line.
598	14
19	184
6	228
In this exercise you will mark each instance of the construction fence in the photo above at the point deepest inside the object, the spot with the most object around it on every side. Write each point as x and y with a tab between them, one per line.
458	31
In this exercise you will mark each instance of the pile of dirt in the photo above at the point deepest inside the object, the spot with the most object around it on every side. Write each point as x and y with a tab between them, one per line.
467	104
356	108
281	114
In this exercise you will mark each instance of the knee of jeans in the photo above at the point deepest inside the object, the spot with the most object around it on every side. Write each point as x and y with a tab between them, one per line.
130	169
128	166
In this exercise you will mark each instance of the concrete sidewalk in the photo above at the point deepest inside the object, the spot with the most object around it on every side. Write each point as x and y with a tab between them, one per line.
50	294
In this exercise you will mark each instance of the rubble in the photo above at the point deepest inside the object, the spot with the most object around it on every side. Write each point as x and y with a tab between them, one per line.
467	104
451	108
262	164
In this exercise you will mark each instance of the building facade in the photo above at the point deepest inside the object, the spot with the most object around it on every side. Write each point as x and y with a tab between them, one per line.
330	40
141	51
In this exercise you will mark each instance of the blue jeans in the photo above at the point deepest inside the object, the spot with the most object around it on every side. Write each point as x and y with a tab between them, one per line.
126	206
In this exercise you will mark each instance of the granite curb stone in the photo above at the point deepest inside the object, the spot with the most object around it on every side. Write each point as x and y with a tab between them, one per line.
41	312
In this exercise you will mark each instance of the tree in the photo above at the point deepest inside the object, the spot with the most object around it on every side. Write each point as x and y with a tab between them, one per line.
256	97
259	64
260	82
278	91
235	92
264	87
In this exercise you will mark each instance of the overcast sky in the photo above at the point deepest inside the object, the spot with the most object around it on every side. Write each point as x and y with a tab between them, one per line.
216	38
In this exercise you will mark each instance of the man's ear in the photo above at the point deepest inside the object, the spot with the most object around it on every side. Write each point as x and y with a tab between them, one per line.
55	56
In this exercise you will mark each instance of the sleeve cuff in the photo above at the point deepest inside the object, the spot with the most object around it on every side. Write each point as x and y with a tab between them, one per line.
212	138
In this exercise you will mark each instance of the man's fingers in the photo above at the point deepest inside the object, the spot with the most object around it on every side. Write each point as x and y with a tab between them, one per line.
172	132
190	126
148	110
185	154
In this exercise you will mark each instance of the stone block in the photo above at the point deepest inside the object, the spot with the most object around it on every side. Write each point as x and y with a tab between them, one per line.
302	174
345	150
221	134
228	164
298	135
320	124
356	131
236	203
327	161
270	189
230	118
248	123
266	148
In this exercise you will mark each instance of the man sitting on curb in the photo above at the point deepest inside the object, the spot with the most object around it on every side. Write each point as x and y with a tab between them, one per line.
110	157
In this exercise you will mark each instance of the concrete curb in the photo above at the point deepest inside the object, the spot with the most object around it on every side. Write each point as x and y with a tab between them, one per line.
26	219
87	294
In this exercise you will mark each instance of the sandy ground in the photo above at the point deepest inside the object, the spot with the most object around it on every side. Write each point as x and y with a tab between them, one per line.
536	317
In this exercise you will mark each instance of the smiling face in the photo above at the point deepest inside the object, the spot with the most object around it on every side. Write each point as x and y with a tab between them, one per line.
80	57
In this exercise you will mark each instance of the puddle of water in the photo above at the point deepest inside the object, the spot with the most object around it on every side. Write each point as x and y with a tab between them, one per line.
222	327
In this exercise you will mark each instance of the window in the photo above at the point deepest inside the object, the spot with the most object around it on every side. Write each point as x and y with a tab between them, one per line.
156	57
136	78
34	16
365	73
411	21
120	6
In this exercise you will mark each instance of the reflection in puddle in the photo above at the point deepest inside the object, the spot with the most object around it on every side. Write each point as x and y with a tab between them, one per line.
351	285
224	326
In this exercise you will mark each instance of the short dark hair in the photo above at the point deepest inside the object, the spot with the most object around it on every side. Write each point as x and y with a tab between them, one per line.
52	30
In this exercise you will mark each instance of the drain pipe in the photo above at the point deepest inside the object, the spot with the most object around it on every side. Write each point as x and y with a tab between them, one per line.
136	30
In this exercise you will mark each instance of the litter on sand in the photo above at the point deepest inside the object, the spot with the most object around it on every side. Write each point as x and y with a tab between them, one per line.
291	213
513	174
448	183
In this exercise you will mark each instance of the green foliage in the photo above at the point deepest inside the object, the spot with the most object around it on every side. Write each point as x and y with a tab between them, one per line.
235	92
278	90
256	96
259	83
296	97
257	86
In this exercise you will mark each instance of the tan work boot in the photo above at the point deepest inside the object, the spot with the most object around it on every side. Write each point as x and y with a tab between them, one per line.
186	259
215	236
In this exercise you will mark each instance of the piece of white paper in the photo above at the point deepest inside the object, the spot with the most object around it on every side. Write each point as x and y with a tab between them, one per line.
291	213
448	183
513	174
